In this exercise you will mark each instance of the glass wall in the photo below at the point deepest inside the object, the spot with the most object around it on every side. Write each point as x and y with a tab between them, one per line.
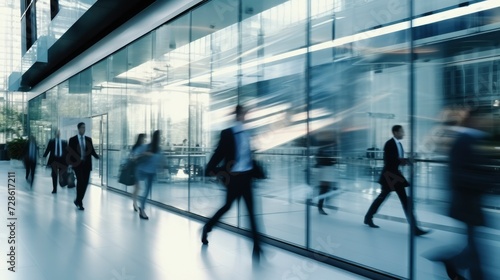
42	26
317	75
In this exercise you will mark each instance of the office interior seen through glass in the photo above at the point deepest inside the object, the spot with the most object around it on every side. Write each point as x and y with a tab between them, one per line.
314	74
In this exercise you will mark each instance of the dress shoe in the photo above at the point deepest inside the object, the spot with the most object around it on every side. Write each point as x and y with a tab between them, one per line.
370	223
142	214
450	270
54	191
79	205
322	212
256	254
136	208
204	235
420	232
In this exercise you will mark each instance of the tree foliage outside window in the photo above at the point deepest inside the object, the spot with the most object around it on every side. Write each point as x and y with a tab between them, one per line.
11	121
16	148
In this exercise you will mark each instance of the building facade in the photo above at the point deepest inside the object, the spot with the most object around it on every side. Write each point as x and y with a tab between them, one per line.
312	72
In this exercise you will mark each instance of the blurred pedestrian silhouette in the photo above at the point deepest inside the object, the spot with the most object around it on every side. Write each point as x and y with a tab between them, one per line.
391	179
57	159
469	179
149	160
326	158
182	162
30	158
235	153
184	146
80	152
134	154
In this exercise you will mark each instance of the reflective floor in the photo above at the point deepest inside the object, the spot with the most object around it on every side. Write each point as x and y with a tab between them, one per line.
109	241
342	234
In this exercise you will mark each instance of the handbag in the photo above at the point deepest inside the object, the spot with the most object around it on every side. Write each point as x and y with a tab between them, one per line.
258	171
71	178
127	173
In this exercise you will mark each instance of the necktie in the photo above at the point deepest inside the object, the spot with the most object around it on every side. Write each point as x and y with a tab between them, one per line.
82	147
57	148
32	153
401	150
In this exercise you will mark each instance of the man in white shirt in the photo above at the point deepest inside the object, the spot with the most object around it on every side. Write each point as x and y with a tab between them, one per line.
80	155
234	150
470	177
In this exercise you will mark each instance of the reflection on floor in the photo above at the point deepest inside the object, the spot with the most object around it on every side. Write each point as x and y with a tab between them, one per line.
55	241
282	211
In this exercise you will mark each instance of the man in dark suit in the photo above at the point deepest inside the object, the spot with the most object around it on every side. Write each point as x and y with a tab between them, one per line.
57	159
469	180
79	158
237	173
391	179
30	157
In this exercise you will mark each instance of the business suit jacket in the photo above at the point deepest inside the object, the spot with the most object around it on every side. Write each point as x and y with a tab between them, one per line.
51	148
391	177
469	179
226	153
27	152
74	154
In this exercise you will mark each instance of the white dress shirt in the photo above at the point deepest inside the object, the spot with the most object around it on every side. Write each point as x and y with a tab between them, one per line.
81	140
401	152
32	150
58	148
243	152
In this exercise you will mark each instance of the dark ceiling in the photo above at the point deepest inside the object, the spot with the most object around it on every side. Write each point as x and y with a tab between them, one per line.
100	20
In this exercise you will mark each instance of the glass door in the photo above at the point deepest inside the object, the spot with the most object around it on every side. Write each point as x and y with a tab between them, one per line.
99	134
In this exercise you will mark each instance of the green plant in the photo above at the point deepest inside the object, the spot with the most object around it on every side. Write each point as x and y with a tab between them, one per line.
16	148
11	121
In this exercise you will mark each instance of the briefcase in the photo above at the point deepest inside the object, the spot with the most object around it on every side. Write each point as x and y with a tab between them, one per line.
63	178
71	178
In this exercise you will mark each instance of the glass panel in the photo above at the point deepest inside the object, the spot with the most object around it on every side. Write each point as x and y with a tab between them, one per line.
40	32
322	105
110	95
97	133
69	12
213	87
36	125
375	14
170	99
74	102
358	91
50	120
428	7
126	81
459	211
273	87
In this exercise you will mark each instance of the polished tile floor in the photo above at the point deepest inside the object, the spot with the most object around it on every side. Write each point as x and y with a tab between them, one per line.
55	241
281	209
